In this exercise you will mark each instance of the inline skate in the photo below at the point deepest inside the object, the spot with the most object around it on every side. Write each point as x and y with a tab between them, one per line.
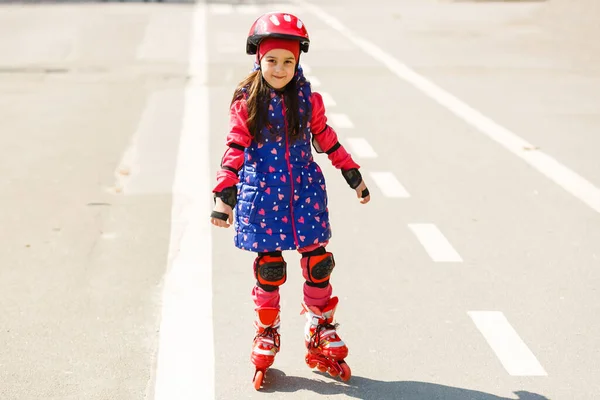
326	350
266	343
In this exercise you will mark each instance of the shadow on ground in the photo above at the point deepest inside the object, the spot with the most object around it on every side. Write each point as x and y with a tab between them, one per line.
358	387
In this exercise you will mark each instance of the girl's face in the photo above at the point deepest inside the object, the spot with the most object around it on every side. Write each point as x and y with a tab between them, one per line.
278	67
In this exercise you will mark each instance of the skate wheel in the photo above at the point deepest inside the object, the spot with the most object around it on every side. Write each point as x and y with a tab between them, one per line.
310	362
322	368
333	372
258	379
346	372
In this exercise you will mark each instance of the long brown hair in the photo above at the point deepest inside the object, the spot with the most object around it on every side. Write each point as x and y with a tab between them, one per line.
258	95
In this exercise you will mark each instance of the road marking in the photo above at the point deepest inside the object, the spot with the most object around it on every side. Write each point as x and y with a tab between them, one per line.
185	365
340	121
361	148
513	353
569	180
327	99
389	185
435	243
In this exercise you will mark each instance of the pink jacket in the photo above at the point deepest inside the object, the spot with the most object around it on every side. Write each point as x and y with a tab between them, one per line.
239	138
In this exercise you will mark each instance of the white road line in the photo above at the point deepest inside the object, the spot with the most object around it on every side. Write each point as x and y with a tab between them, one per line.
361	148
389	185
340	121
314	81
513	353
435	243
327	99
554	170
185	365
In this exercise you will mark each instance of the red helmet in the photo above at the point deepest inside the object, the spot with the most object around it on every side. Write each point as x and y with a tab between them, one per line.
277	25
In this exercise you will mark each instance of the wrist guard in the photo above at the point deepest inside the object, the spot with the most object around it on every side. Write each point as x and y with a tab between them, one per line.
219	215
228	196
353	177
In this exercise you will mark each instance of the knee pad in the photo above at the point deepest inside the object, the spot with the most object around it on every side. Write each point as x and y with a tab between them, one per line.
317	266
270	271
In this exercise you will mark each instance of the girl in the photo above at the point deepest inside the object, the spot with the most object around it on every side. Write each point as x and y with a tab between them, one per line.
278	191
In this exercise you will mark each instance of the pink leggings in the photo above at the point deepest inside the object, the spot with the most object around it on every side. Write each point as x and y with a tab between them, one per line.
313	296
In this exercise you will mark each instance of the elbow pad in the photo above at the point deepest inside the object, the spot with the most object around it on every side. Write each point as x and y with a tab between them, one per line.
353	177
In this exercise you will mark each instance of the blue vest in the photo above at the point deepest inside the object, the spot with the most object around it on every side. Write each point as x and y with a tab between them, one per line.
282	200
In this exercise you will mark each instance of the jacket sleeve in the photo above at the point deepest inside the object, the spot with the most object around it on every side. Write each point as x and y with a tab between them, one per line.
238	139
325	139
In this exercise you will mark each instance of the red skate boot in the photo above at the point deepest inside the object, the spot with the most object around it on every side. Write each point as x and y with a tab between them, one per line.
326	350
266	342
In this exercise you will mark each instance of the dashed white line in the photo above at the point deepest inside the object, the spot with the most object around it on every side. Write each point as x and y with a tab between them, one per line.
327	99
569	180
435	243
512	352
361	148
340	121
185	364
389	185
